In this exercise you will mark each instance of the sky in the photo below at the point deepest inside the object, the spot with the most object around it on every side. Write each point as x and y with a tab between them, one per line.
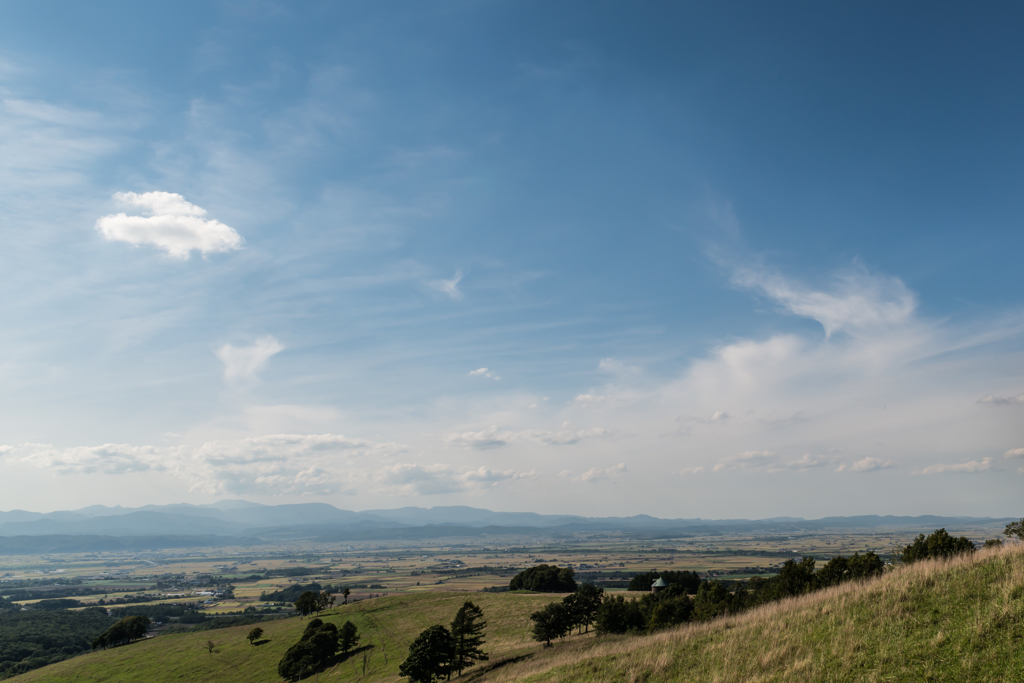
719	260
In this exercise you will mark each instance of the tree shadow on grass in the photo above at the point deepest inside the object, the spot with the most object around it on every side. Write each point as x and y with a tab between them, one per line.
345	656
257	643
332	662
476	672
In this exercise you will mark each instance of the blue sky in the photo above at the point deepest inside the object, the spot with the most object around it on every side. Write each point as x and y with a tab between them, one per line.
709	259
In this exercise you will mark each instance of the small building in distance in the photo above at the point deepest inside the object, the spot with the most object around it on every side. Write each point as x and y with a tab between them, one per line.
658	586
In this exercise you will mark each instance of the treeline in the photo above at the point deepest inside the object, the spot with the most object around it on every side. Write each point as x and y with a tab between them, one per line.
544	578
29	640
676	604
292	593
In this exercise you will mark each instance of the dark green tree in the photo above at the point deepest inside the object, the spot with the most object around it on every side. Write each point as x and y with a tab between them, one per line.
937	544
348	636
866	566
643	581
307	603
551	622
255	634
346	593
123	632
544	579
618	615
713	600
468	637
993	542
316	647
670	607
834	572
324	600
1015	530
587	602
430	656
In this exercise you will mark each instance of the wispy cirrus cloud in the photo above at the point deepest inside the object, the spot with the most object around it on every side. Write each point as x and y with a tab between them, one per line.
969	467
993	400
172	224
416	479
449	287
858	301
493	437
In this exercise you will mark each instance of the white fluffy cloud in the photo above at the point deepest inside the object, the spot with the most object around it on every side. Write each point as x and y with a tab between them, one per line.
595	474
243	362
1014	453
111	458
272	465
493	437
868	464
968	467
171	223
483	372
411	478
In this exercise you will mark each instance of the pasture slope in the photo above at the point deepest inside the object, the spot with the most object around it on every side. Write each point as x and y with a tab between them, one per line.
959	620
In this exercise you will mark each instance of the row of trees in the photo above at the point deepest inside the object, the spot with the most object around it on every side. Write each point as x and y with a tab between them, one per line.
316	648
310	602
123	632
690	581
545	578
577	610
438	652
673	605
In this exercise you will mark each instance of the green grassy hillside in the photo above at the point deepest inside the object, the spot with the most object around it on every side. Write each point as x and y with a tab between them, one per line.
933	621
389	625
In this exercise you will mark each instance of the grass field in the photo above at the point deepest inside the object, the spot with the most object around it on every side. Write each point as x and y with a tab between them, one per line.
961	620
935	621
388	625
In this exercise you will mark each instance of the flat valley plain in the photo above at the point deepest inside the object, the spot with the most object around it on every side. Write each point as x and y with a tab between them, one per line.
376	568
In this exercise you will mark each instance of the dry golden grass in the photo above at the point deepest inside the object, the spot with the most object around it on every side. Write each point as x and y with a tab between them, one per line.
953	620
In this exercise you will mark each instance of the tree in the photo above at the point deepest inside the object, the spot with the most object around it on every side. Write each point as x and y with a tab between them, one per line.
324	600
587	602
348	636
938	544
551	622
430	656
255	634
712	600
307	603
346	593
468	637
544	579
644	580
618	615
1015	530
210	645
866	566
670	607
123	632
993	542
318	644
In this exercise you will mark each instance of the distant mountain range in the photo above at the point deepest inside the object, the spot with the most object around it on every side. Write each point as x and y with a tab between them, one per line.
243	521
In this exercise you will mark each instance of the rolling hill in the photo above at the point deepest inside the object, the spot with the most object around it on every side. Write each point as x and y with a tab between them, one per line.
960	620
